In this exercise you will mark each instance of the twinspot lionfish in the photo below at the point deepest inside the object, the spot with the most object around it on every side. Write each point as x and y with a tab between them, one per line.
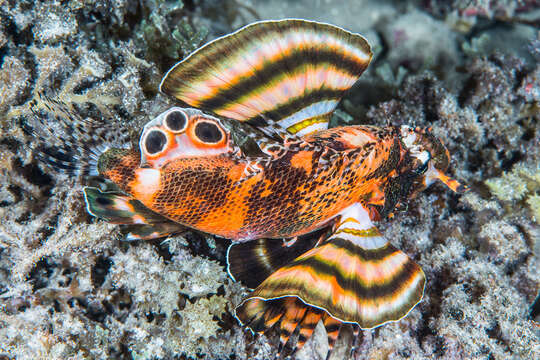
300	212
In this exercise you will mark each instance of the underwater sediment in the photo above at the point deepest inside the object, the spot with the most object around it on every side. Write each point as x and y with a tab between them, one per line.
71	287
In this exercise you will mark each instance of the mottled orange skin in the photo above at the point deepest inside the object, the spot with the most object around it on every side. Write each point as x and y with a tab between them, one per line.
292	196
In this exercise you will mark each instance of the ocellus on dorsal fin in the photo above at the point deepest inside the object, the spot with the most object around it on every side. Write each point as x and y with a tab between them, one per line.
291	71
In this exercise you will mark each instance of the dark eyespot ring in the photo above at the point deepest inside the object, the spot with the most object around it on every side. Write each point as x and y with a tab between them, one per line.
155	142
176	121
208	132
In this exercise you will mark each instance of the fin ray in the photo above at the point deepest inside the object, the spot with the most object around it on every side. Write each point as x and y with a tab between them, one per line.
118	208
355	277
83	141
292	71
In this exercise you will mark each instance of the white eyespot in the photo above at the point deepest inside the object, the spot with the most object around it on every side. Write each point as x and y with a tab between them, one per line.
208	132
176	121
155	142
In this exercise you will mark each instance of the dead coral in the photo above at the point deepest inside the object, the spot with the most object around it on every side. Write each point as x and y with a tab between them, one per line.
502	10
53	23
482	315
523	182
69	289
437	41
179	295
13	82
502	242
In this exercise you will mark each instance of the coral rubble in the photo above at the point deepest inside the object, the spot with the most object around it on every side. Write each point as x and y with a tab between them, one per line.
70	287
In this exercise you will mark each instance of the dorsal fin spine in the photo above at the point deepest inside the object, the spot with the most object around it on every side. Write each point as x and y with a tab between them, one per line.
77	150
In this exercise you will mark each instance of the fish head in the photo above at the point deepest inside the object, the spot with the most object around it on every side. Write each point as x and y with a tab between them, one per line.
430	158
181	133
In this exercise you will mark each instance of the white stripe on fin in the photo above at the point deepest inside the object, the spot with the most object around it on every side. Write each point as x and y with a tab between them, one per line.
316	109
313	128
274	69
356	226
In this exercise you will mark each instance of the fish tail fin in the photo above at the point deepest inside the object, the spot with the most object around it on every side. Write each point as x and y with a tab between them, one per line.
67	142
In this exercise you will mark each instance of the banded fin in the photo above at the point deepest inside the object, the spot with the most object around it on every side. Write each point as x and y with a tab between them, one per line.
67	142
356	335
291	71
355	277
295	321
333	328
118	208
251	262
307	327
290	321
154	231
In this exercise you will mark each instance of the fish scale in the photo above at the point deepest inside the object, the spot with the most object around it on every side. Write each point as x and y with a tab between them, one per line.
199	192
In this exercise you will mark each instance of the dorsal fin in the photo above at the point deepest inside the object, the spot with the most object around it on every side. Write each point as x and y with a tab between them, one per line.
291	71
67	142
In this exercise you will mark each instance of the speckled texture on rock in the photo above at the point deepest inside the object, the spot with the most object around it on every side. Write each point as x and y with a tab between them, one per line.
71	288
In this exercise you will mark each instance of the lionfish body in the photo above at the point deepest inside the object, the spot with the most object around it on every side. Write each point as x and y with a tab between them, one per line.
284	79
290	196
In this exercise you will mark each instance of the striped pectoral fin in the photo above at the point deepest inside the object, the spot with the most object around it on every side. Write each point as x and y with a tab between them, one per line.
366	286
118	208
251	262
356	276
292	71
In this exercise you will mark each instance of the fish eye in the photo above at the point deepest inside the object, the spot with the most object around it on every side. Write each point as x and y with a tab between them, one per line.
424	157
176	121
155	142
208	132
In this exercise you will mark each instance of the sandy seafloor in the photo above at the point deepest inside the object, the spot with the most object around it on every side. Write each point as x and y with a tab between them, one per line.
71	288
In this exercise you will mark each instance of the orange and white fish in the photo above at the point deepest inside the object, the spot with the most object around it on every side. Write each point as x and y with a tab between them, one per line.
319	189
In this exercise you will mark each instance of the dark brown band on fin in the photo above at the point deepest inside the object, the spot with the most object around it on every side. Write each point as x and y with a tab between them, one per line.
370	293
291	71
251	262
